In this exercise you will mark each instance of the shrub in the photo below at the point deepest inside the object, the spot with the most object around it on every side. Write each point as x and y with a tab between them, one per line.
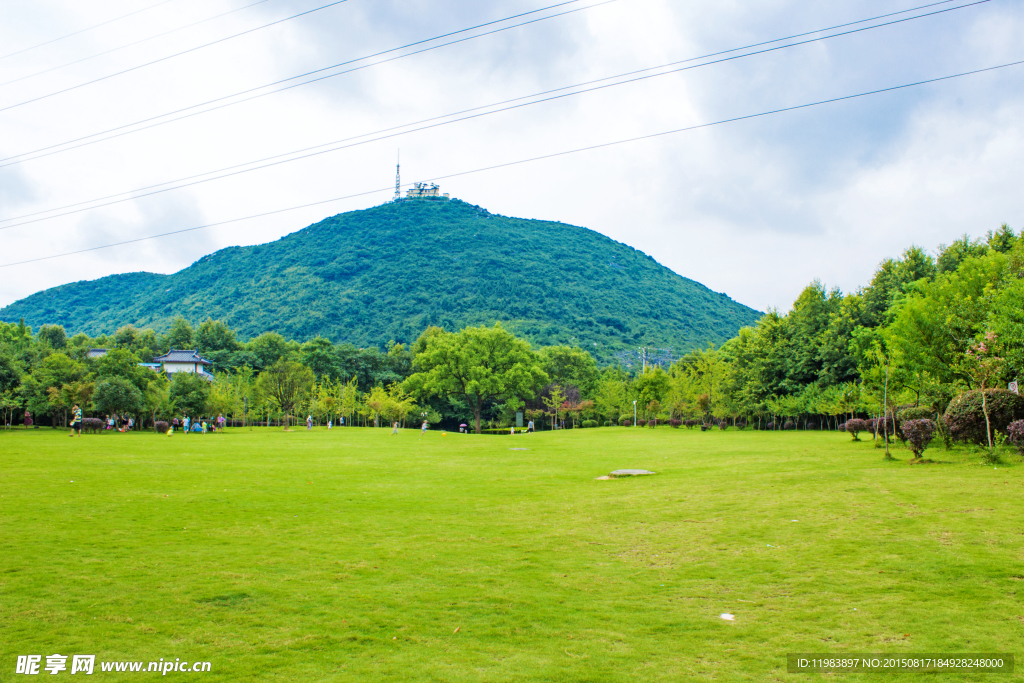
915	413
652	423
869	425
966	421
1016	431
675	423
625	421
855	427
918	434
741	424
162	427
723	425
641	423
770	426
590	423
789	425
91	424
607	423
885	424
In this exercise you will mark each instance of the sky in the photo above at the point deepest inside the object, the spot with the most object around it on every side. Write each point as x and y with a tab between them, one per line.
756	208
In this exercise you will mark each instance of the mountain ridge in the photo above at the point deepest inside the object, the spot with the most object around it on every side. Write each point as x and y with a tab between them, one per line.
387	272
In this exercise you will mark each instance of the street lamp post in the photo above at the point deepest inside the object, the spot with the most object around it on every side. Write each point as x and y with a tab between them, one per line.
634	413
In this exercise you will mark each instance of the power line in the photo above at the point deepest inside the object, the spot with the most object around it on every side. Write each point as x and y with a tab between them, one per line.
529	160
164	59
137	42
232	170
109	21
39	151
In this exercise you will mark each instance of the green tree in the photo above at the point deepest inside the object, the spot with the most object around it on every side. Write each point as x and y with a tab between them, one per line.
53	336
116	396
478	364
653	386
157	398
569	366
319	356
287	383
180	336
125	364
189	393
267	349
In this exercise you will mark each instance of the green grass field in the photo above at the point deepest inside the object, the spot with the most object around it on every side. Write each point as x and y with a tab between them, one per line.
357	555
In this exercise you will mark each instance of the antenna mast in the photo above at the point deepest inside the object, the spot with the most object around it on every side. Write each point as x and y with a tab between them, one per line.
398	177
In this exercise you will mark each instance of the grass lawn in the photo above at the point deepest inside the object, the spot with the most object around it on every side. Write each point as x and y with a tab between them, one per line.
357	555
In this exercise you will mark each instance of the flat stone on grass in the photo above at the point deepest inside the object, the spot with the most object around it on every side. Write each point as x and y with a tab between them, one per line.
631	473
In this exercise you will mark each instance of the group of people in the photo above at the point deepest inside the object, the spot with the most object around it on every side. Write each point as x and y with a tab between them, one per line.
198	425
114	422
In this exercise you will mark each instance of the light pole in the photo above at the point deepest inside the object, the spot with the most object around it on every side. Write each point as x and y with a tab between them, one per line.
634	413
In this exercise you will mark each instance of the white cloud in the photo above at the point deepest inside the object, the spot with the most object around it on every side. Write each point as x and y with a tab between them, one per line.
756	209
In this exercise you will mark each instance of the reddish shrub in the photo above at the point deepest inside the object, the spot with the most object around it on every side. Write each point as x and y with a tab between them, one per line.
966	421
918	434
855	427
1016	431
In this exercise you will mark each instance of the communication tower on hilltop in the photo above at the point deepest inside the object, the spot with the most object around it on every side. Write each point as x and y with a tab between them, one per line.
398	177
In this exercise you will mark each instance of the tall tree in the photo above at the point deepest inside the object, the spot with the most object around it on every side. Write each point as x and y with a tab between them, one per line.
288	383
479	364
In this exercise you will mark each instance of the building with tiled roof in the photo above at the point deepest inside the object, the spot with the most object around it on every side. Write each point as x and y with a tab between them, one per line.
177	360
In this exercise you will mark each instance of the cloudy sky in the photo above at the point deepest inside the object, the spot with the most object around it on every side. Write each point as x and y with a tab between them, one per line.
756	208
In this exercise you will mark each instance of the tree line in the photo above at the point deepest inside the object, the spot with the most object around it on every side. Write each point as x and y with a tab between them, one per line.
928	334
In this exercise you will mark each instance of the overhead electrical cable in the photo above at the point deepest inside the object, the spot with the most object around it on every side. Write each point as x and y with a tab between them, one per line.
137	42
526	161
164	59
277	159
89	28
38	153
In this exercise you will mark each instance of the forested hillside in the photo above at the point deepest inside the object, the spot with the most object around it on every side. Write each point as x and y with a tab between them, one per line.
388	273
914	332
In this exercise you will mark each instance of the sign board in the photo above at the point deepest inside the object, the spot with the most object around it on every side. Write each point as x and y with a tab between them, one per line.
519	420
1013	388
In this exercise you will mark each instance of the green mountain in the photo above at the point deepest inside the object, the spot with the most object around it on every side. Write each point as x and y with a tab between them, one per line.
388	272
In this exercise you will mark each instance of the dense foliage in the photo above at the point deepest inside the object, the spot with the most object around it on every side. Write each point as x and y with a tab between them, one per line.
966	419
388	273
930	338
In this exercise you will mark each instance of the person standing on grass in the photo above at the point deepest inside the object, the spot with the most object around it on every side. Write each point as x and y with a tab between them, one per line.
220	422
394	427
76	420
187	422
309	422
423	429
529	427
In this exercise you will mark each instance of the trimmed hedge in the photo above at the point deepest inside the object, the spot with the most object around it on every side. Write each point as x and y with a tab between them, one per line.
589	423
915	413
966	421
162	427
